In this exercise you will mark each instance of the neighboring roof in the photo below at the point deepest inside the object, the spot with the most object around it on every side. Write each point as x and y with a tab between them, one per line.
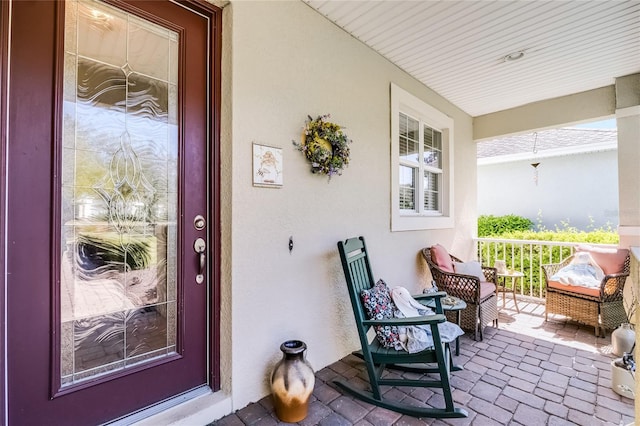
548	143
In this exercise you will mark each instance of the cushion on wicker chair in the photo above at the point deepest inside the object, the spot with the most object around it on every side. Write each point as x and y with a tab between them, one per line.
611	260
486	289
595	292
469	268
441	258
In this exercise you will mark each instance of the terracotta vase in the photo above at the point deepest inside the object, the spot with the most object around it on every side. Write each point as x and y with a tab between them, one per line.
623	339
292	382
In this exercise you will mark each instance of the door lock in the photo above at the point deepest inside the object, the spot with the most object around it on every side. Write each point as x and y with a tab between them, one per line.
199	222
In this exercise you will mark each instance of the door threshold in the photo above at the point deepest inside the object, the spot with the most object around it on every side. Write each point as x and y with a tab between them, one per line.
197	406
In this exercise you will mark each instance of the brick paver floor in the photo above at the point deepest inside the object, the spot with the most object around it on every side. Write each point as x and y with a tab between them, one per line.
527	372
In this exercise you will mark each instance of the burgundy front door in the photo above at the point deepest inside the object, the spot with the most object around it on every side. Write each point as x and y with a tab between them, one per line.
108	223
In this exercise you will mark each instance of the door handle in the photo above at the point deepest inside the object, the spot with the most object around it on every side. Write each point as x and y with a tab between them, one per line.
200	247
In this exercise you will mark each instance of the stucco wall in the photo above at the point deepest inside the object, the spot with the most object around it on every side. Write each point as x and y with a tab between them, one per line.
570	188
285	61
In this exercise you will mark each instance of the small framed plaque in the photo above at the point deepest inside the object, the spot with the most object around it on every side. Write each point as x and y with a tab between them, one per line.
267	166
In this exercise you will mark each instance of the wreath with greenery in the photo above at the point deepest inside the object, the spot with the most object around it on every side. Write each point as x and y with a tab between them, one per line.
325	146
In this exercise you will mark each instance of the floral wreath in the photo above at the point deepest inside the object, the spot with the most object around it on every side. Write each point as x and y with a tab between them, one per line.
325	146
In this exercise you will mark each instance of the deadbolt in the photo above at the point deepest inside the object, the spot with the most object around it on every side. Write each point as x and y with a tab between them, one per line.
199	223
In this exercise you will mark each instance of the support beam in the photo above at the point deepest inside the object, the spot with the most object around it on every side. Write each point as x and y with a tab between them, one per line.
581	107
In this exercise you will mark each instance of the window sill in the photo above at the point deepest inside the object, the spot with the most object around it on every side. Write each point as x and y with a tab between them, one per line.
420	222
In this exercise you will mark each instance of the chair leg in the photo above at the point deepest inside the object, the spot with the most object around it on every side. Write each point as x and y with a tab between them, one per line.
479	324
452	366
546	313
444	376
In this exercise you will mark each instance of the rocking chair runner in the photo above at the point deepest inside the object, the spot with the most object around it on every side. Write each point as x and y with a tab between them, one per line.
357	271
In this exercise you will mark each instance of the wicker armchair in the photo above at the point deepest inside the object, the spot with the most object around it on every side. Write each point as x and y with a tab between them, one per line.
601	308
481	309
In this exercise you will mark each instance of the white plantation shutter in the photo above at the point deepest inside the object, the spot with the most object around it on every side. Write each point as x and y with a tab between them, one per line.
422	166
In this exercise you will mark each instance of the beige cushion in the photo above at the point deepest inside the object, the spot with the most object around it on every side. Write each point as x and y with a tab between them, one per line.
595	292
486	288
469	268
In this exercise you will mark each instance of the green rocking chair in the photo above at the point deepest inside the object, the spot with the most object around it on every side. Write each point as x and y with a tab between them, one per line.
434	361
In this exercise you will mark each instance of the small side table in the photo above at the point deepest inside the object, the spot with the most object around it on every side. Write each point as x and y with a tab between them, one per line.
502	286
458	307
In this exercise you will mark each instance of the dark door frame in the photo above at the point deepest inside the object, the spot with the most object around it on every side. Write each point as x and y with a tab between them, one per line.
215	236
215	15
4	66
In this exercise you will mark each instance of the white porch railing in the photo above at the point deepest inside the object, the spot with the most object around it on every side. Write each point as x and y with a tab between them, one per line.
526	256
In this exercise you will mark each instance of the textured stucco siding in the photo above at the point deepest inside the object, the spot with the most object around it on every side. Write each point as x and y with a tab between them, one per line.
285	61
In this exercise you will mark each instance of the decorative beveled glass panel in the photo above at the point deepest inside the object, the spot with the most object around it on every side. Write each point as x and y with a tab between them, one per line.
101	33
118	280
148	47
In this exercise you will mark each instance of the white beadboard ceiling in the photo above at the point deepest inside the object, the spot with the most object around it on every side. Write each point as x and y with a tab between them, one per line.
457	48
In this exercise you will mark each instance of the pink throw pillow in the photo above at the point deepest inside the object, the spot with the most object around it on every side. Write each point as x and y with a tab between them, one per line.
441	258
611	260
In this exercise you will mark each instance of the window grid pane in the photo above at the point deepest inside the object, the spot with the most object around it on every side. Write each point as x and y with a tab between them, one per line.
432	143
431	191
407	188
409	138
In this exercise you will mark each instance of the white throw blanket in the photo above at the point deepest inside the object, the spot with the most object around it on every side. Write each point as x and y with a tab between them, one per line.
582	271
417	338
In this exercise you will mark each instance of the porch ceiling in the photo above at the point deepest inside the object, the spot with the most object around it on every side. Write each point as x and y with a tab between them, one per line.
458	48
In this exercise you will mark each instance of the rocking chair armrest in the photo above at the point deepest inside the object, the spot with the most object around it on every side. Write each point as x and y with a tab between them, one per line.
426	319
426	298
435	294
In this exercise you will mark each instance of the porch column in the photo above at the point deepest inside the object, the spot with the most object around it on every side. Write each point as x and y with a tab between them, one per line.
628	123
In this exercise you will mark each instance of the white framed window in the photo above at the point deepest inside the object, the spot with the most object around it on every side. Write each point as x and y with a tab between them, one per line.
421	164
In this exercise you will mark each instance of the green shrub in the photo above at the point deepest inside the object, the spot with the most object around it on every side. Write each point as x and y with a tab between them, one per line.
593	237
489	225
